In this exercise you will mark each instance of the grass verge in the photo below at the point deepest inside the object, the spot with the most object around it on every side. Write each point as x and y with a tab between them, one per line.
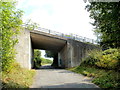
101	77
17	78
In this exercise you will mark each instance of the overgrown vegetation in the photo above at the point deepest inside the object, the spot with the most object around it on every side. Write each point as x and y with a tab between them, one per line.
37	58
101	77
108	59
53	55
45	61
103	66
11	21
13	76
17	78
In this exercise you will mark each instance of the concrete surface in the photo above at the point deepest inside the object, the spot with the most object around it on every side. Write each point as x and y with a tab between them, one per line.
47	41
24	50
60	78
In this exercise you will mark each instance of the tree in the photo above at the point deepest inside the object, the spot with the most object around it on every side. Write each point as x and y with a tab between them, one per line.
49	54
10	26
53	55
37	58
106	17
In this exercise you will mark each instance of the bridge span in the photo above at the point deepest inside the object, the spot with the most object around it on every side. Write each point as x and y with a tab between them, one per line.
70	48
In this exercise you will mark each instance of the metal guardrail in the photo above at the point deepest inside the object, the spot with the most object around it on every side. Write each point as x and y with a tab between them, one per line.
70	36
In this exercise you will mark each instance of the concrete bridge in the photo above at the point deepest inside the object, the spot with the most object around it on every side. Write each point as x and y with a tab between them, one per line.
70	48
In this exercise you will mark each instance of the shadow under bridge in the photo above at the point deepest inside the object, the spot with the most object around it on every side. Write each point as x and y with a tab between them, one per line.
46	41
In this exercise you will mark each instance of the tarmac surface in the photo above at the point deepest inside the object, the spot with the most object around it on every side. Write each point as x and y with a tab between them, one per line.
48	77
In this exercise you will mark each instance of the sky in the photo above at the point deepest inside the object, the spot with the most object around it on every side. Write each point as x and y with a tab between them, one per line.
66	16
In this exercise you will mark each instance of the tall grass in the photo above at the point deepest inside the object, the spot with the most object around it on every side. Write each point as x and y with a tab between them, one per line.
17	77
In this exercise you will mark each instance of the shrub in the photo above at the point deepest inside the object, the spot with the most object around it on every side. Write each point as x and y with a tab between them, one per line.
10	18
109	59
92	57
37	59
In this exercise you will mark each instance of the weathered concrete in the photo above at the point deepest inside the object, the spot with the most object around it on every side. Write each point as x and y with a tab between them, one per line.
70	52
78	50
73	52
24	49
47	42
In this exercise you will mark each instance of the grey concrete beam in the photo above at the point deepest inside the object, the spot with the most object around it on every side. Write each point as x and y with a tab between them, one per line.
47	41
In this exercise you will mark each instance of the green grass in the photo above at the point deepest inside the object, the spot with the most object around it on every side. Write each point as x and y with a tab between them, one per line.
101	77
45	61
17	78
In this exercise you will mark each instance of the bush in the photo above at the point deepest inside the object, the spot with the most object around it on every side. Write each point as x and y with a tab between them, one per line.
93	57
10	26
37	58
109	59
45	61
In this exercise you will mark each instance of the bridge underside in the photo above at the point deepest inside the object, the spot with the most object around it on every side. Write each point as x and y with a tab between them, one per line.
48	42
45	42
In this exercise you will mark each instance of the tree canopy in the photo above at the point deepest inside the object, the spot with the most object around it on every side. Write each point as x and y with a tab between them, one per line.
106	17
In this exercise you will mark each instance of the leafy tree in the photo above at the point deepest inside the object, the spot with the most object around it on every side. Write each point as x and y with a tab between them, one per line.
53	55
37	58
49	54
10	26
106	17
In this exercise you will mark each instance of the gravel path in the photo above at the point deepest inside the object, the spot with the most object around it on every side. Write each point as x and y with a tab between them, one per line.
60	78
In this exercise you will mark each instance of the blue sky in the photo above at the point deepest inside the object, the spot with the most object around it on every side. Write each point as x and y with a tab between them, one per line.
66	16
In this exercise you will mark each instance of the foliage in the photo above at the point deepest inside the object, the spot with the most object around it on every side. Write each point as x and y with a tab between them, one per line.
101	77
54	55
30	25
10	26
37	58
17	78
109	59
45	61
106	17
49	54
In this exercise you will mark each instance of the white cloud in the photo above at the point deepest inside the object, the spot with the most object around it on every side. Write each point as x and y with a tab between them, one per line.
67	16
